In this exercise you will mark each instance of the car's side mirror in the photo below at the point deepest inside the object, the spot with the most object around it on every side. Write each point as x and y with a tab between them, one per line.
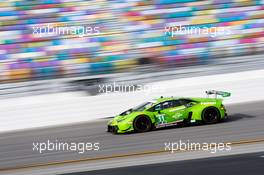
158	109
190	104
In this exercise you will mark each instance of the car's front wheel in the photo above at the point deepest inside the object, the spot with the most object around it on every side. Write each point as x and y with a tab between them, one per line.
142	124
210	115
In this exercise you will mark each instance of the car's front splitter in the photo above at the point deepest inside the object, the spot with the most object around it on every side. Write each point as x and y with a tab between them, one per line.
115	129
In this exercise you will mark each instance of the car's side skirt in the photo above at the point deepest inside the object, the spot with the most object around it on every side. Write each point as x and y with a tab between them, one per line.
168	124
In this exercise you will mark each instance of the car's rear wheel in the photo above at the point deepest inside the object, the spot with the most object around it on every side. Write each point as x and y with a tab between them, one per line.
142	124
210	115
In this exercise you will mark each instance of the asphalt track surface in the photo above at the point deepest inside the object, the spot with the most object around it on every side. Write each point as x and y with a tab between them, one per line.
245	164
245	123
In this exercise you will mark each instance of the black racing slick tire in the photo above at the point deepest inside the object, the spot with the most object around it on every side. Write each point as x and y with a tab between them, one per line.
142	124
210	115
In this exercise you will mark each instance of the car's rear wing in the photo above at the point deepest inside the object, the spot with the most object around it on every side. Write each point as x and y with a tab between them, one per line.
215	93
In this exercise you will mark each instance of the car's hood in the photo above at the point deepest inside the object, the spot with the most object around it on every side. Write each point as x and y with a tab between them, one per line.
120	118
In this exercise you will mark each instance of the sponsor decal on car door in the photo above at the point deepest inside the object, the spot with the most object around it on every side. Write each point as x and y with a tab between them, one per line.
171	112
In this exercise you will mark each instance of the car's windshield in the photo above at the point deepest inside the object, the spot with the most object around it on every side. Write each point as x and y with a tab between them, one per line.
143	106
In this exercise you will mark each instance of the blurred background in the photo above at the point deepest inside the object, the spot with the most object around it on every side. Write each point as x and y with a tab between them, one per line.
51	73
131	39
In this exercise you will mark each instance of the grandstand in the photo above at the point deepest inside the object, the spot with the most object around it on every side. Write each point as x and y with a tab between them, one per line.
132	32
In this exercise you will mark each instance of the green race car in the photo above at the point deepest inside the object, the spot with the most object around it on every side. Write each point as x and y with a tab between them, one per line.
163	112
